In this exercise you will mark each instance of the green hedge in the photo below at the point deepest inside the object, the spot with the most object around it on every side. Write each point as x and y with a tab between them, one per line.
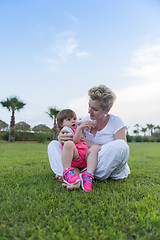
27	136
142	138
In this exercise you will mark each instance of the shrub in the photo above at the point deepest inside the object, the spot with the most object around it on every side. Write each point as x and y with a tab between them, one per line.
5	136
42	137
138	138
26	136
129	138
152	140
146	139
156	134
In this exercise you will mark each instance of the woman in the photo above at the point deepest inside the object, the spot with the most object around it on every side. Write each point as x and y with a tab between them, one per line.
108	132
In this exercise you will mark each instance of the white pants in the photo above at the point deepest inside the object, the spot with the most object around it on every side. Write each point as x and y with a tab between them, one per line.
112	160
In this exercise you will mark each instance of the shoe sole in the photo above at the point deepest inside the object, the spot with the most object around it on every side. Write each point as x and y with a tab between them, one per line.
78	180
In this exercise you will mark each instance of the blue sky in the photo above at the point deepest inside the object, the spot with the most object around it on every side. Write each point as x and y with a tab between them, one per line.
52	52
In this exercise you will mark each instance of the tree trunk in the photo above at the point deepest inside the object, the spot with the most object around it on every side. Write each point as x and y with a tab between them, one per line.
55	130
12	129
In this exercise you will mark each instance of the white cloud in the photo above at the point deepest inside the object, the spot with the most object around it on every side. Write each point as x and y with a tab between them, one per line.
71	17
139	103
80	106
65	46
52	64
82	54
145	62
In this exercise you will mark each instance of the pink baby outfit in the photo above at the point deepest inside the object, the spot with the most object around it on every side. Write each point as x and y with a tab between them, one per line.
82	149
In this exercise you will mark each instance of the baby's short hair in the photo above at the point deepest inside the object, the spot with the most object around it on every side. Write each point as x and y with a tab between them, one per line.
64	114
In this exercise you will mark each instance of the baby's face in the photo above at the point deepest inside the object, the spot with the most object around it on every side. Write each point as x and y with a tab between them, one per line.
70	122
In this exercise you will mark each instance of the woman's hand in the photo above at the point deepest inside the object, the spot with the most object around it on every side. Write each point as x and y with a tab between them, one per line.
64	136
87	125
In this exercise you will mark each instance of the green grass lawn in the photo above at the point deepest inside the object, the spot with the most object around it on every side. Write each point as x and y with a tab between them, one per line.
33	205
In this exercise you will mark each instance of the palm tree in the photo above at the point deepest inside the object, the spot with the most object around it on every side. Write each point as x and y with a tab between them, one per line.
136	131
12	104
53	114
157	128
144	130
150	127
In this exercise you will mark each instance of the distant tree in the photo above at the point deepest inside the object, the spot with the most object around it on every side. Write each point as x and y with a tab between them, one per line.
3	125
144	130
157	128
136	125
150	127
53	115
22	126
137	130
156	132
12	104
41	128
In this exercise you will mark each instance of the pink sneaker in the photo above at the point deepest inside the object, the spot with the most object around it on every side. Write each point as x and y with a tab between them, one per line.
86	181
70	177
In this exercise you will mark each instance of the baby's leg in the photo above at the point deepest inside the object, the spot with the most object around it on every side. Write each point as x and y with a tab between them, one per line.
87	177
92	158
68	153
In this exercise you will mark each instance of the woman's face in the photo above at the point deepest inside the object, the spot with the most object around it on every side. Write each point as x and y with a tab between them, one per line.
95	110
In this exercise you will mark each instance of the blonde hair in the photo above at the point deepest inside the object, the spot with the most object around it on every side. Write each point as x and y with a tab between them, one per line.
64	114
103	95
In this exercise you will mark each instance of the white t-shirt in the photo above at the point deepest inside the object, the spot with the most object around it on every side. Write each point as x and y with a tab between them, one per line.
105	135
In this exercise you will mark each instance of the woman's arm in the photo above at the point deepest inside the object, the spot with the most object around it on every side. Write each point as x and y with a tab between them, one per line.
121	134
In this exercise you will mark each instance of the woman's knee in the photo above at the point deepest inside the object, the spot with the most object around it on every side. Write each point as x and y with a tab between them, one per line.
121	150
93	149
54	144
118	149
121	145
